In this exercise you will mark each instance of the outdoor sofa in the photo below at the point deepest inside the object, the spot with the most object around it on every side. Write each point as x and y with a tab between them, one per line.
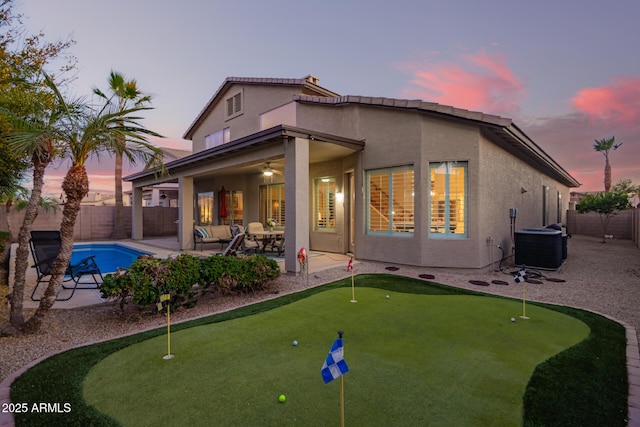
211	234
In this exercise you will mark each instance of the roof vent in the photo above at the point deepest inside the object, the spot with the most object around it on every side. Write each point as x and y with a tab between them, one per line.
312	79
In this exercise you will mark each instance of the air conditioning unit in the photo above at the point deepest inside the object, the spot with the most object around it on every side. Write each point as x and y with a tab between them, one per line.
539	247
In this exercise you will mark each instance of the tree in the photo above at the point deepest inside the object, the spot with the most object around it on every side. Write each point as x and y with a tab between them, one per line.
606	204
604	146
85	131
21	92
41	135
627	187
124	93
25	100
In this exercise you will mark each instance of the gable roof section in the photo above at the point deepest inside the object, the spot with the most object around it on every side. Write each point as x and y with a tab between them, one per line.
503	131
308	82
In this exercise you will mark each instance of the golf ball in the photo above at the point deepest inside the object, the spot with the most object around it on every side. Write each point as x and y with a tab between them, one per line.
295	342
513	319
282	398
387	296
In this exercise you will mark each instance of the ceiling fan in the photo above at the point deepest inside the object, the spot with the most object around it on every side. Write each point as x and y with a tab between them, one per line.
268	171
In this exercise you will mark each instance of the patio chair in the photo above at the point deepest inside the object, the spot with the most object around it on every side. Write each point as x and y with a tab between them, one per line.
45	246
250	244
235	229
254	226
276	244
234	246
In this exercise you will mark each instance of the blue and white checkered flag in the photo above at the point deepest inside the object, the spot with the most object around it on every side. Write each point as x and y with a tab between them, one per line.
334	365
521	276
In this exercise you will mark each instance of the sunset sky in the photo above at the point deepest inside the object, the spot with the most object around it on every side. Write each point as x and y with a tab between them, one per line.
567	72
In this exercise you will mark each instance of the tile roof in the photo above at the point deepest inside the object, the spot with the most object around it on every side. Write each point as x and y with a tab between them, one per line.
411	104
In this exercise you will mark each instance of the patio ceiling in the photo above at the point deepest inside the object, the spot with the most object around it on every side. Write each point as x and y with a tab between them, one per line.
250	154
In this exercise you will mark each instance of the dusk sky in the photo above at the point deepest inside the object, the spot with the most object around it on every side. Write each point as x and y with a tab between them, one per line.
567	72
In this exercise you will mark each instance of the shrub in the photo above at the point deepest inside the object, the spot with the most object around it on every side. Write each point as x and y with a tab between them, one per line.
148	278
238	274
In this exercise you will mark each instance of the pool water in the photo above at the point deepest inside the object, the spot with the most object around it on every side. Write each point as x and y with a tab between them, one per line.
109	256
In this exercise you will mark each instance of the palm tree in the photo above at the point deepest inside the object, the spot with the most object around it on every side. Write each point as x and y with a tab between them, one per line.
39	135
86	131
605	145
124	93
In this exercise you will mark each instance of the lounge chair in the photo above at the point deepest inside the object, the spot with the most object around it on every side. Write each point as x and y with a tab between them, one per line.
45	246
234	246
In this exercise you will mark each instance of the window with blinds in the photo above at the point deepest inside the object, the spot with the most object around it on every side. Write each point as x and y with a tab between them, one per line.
272	204
390	200
448	199
324	213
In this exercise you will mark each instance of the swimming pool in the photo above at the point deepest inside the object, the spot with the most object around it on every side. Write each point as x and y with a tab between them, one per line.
109	256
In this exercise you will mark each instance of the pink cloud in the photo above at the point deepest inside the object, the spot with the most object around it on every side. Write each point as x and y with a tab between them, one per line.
479	81
617	102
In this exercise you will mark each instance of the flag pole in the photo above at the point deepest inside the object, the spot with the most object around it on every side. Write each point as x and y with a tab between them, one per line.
353	286
524	300
341	391
167	297
342	400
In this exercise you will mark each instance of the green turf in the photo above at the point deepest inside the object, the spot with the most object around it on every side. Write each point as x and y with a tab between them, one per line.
585	385
444	360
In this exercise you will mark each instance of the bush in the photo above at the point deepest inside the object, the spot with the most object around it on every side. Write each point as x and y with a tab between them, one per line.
148	278
238	274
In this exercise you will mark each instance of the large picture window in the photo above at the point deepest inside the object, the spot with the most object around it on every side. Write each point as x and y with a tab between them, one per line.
448	199
324	218
390	200
272	204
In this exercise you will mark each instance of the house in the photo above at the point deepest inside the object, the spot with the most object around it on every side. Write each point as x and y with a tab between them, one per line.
166	194
393	180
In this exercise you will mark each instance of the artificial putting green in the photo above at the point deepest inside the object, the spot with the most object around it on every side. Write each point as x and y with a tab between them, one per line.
414	360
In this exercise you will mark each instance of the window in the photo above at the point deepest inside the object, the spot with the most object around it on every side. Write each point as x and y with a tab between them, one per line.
545	205
204	208
235	206
448	199
217	138
559	207
272	203
234	105
324	213
390	200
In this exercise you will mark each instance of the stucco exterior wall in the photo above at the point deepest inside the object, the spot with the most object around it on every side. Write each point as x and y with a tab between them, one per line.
495	180
256	100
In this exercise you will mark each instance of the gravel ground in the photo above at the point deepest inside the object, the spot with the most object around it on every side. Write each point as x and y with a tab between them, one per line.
604	278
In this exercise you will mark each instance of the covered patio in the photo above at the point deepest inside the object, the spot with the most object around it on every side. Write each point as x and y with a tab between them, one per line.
298	159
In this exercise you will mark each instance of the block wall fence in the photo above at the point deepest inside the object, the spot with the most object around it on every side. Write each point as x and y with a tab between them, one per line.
96	222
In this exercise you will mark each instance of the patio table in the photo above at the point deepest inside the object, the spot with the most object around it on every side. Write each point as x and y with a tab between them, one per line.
266	235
